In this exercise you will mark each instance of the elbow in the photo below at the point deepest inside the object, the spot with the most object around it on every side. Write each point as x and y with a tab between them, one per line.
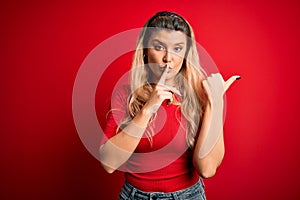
207	172
205	168
104	162
107	169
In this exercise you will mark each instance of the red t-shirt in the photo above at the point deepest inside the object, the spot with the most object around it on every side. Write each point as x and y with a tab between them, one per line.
164	166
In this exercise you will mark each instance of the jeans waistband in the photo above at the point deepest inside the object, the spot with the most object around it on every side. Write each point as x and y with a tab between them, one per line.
135	193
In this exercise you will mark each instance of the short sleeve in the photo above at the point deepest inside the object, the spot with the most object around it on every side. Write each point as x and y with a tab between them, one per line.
117	112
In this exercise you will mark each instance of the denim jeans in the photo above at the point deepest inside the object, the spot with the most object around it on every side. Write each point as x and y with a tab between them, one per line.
195	192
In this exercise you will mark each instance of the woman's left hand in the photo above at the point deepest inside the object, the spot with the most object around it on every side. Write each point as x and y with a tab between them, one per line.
216	87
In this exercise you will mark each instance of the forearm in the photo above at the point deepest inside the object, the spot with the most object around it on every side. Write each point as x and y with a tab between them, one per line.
118	149
209	150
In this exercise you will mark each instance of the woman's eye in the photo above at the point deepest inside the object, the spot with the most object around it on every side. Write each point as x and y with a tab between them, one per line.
159	47
178	49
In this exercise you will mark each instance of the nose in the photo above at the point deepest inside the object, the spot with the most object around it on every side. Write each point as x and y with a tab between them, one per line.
167	57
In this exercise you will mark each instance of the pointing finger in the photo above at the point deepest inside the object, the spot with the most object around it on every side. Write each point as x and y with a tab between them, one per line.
163	76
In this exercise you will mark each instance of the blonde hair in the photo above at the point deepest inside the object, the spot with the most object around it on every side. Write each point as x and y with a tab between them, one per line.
189	79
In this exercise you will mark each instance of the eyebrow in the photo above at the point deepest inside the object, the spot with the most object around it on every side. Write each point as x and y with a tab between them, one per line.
156	40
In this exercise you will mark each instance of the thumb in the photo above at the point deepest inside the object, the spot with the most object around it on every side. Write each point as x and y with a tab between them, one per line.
230	81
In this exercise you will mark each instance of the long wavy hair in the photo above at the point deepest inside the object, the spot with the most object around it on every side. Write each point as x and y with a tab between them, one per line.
189	79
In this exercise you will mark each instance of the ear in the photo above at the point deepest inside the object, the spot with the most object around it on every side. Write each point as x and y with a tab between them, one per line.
145	56
145	51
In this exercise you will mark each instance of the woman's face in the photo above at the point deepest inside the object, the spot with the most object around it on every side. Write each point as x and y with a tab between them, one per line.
166	47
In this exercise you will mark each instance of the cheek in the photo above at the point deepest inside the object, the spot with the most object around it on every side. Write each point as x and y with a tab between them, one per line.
154	57
178	62
178	57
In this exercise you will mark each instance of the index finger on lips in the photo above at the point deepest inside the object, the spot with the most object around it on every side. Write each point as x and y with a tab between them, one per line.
163	76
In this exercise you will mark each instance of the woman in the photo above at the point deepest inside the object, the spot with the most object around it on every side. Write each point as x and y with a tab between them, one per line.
165	129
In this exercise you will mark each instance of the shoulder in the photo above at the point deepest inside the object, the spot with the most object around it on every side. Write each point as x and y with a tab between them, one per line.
120	96
122	91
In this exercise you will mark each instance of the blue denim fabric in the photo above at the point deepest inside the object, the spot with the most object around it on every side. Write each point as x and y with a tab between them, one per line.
195	192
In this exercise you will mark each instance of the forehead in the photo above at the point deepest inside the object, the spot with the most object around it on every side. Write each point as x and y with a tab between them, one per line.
169	37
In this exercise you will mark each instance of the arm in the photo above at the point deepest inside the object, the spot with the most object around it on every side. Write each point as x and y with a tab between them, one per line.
209	150
118	149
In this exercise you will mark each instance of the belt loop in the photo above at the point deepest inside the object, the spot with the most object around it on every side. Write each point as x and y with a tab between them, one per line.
133	191
175	197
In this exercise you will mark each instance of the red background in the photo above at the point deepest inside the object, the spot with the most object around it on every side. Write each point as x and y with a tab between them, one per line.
42	46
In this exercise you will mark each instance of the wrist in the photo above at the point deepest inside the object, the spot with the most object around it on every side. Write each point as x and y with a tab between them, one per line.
146	112
149	110
217	104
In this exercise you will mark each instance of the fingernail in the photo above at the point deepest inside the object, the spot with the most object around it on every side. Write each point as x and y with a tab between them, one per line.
238	78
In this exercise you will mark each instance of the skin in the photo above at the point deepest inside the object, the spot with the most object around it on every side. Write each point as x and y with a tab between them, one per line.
209	155
168	48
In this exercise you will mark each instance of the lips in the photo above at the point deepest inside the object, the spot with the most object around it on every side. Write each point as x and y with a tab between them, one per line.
163	67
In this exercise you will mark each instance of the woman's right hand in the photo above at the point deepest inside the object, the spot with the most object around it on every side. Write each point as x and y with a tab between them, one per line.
160	93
